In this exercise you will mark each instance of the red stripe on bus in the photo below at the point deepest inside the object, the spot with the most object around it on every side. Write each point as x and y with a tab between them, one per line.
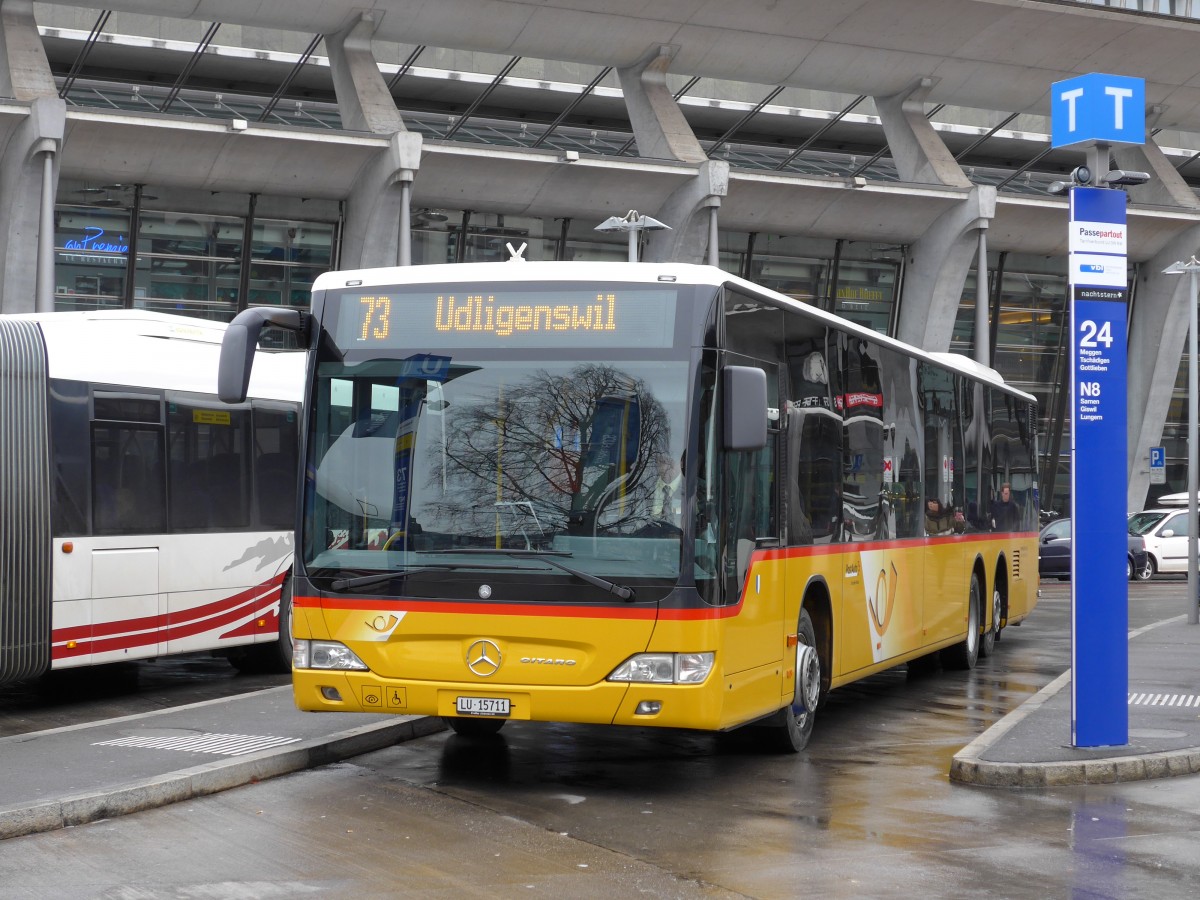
897	544
486	609
149	623
146	630
516	609
163	635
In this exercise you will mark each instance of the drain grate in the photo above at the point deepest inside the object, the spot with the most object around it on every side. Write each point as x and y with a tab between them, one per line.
222	744
1177	700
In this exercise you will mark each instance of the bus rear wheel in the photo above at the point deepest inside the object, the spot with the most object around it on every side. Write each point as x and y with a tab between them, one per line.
965	654
792	726
991	634
474	728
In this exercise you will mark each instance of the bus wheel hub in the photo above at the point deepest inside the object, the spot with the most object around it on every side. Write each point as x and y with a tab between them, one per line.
808	677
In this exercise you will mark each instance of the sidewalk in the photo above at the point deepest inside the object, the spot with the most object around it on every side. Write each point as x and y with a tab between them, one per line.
70	776
1031	747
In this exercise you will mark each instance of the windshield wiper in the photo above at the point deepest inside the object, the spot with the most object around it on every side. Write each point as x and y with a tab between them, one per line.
548	557
342	584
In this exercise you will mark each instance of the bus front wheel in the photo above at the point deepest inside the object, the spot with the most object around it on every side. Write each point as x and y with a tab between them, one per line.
793	725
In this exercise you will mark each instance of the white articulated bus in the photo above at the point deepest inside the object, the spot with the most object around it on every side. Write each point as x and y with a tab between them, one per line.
139	516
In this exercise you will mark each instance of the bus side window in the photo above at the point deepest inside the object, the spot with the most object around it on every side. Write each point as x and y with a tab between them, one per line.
208	465
276	452
127	479
814	445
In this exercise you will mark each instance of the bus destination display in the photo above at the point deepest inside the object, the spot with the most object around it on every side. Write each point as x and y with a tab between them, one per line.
472	317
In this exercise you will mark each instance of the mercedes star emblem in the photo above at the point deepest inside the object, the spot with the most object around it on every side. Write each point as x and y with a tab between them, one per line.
484	658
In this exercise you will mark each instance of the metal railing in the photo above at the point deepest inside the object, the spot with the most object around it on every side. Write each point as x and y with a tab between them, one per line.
501	133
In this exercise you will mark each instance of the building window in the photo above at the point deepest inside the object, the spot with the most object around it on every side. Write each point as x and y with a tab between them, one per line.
186	263
91	255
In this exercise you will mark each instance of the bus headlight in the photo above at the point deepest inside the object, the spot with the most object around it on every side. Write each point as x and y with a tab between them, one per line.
665	668
325	655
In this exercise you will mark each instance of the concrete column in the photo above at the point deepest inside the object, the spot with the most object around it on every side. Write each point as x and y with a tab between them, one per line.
937	270
1156	338
24	191
692	238
24	68
376	204
362	95
44	288
983	338
918	151
659	126
379	206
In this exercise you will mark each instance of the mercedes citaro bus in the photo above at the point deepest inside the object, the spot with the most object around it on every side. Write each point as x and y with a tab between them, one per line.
483	536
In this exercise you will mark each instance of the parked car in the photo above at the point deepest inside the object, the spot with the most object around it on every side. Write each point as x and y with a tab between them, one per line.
1054	553
1180	499
1165	531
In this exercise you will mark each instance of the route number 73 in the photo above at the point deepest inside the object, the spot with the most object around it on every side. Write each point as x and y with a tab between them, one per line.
1093	335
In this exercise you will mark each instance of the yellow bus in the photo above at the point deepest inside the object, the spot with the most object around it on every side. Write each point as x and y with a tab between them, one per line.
636	494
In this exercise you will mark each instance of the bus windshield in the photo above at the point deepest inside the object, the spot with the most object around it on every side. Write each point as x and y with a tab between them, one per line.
444	463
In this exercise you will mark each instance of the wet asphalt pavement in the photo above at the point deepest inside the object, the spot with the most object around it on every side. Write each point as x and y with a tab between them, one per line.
868	810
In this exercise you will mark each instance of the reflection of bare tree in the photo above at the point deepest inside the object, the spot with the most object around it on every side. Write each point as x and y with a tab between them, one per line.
555	452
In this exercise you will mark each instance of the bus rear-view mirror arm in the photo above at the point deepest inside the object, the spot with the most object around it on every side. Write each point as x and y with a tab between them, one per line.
240	341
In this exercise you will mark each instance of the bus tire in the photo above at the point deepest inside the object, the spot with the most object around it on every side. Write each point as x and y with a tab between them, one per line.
474	728
991	634
792	726
274	658
965	654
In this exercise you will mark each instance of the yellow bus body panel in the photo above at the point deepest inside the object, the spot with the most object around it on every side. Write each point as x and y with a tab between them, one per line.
888	603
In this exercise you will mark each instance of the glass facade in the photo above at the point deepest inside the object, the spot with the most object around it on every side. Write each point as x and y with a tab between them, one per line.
191	264
859	281
183	262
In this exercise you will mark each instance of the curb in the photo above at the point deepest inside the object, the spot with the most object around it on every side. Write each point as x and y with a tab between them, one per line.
211	778
968	768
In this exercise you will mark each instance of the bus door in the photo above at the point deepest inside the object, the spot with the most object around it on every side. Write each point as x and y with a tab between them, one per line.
945	508
813	466
128	521
881	501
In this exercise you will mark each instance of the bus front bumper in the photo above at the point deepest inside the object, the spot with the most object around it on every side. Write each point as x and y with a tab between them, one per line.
695	706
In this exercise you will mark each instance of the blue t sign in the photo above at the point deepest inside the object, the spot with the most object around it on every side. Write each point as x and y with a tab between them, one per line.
1098	109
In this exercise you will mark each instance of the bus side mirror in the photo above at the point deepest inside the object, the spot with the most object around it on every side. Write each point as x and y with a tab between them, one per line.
239	343
744	408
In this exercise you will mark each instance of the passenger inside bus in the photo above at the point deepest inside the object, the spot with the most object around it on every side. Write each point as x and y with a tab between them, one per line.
939	517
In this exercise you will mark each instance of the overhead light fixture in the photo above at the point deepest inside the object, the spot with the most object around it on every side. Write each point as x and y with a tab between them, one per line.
1125	176
631	223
